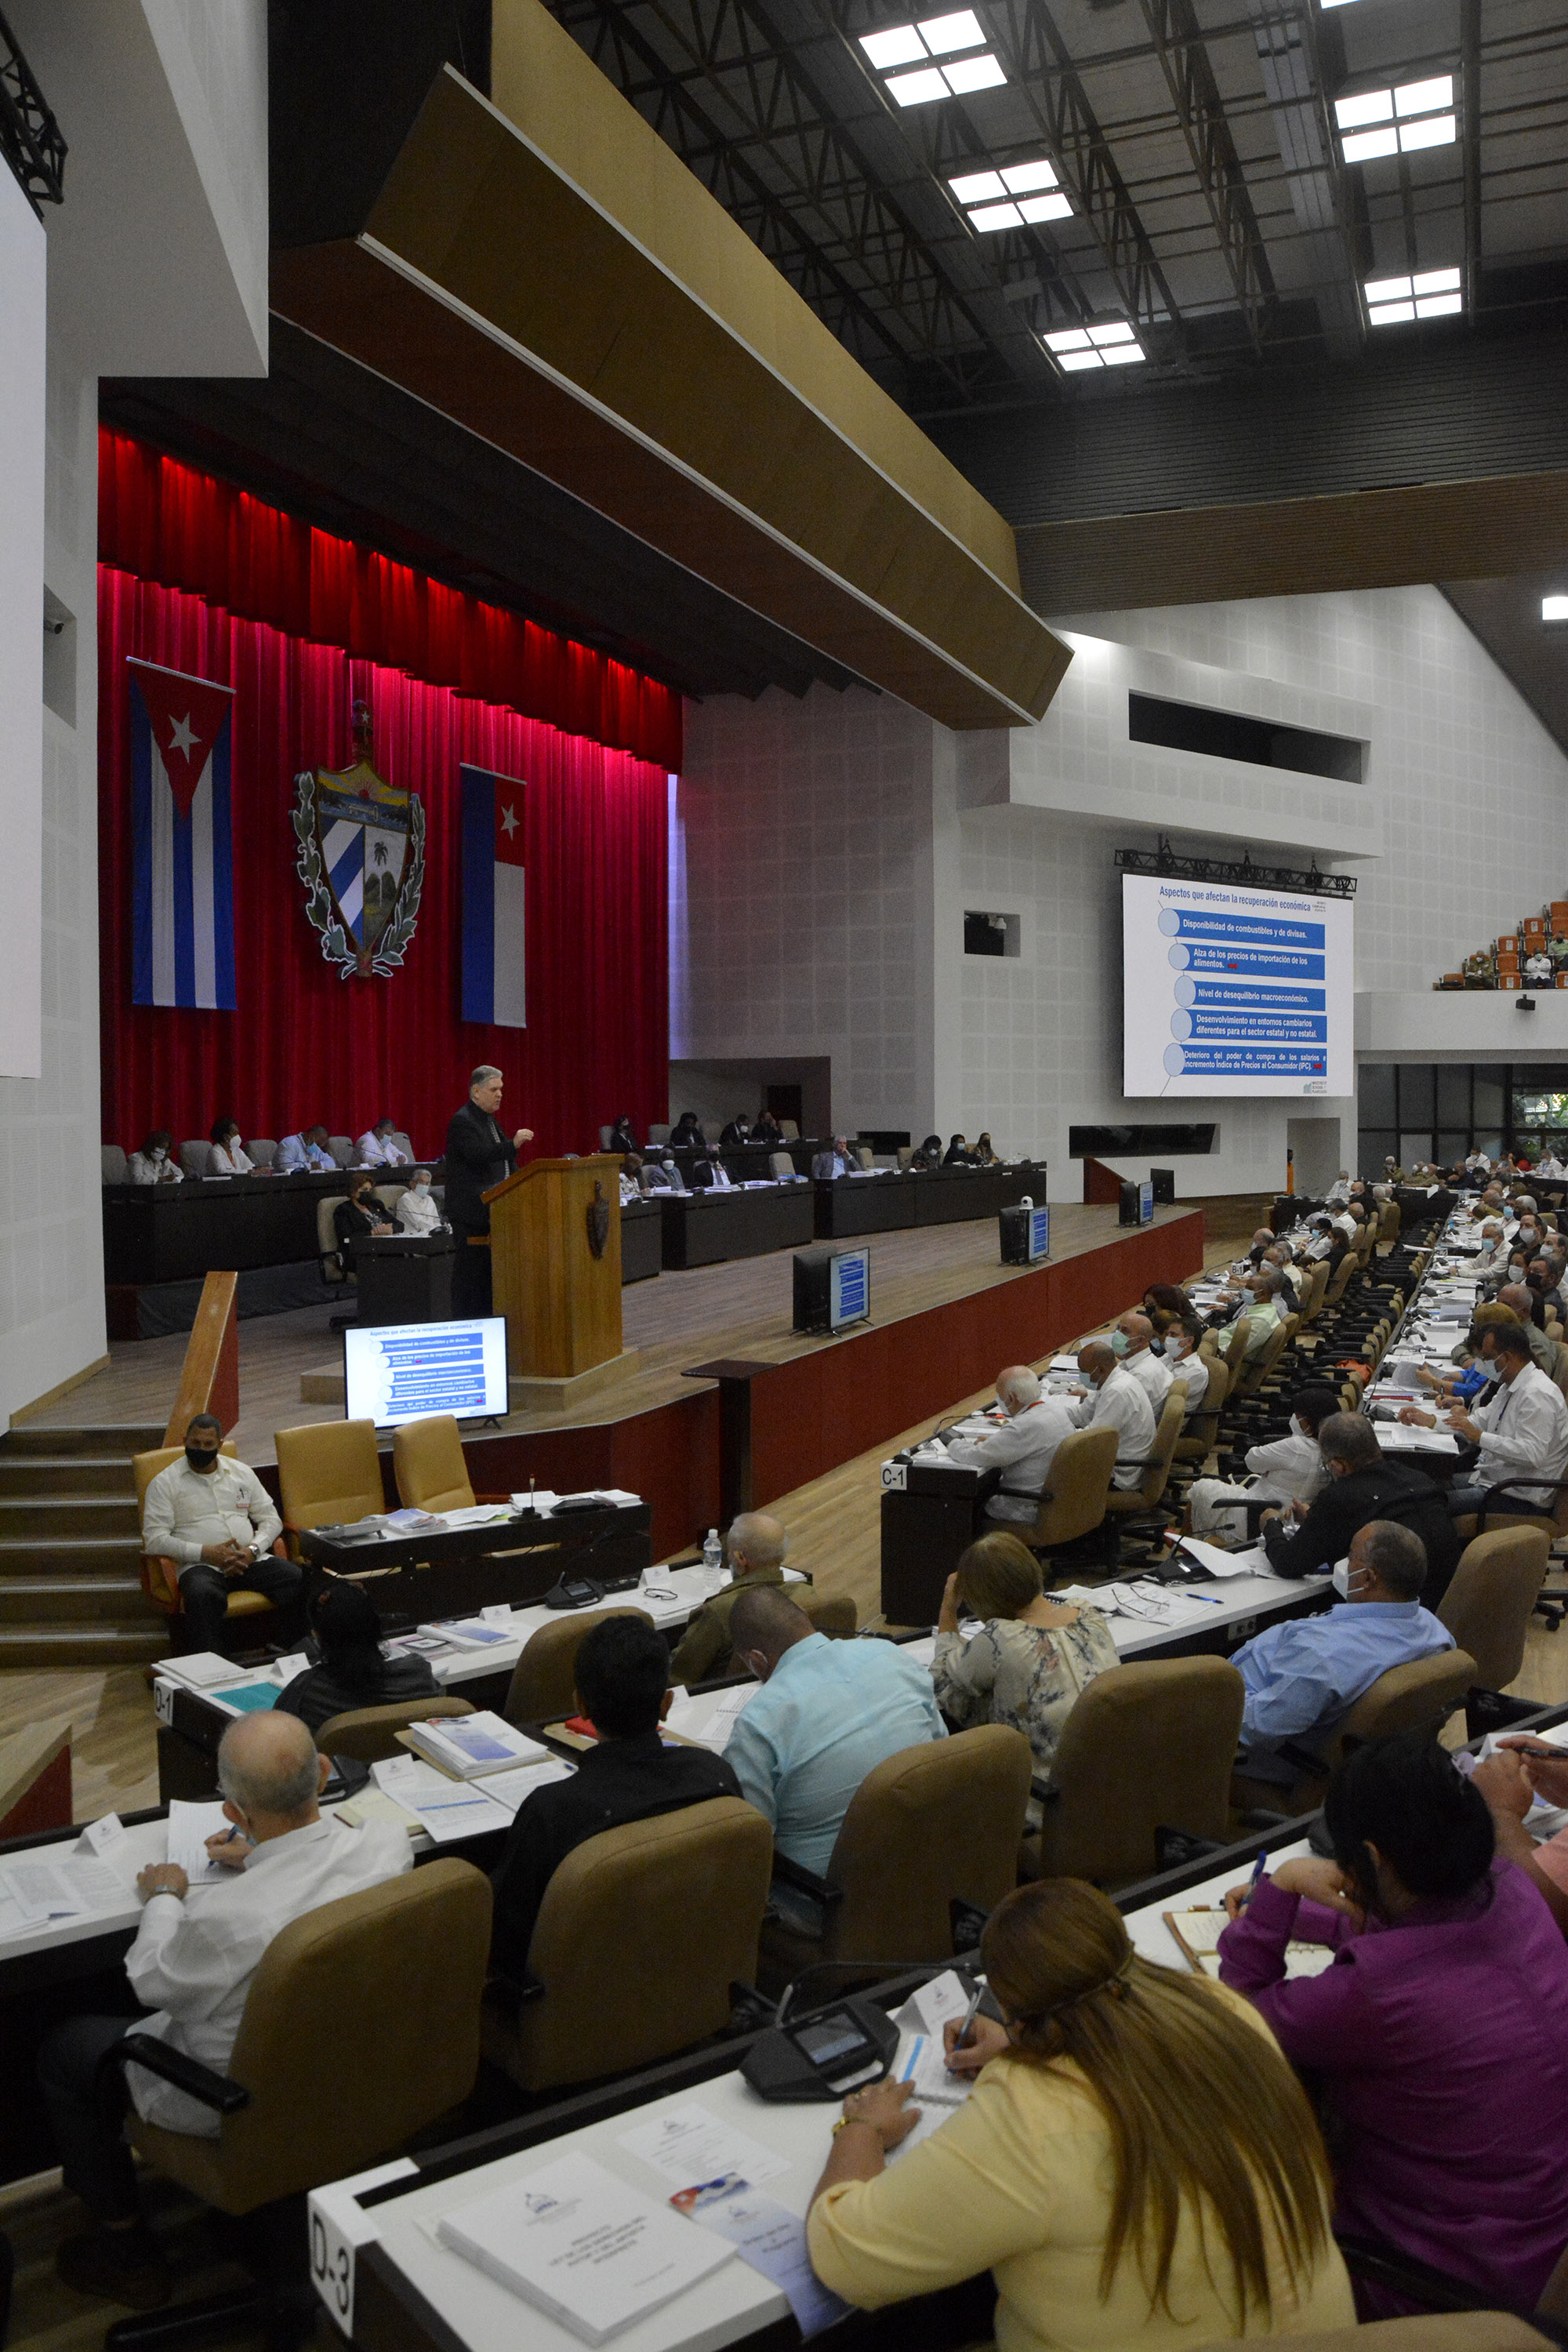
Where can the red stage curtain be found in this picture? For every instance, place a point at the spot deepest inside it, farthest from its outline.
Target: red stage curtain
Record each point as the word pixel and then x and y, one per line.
pixel 305 1045
pixel 165 521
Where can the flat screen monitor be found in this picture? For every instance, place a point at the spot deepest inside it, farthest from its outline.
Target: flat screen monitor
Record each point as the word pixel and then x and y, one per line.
pixel 1040 1234
pixel 1232 989
pixel 1146 1203
pixel 848 1288
pixel 394 1373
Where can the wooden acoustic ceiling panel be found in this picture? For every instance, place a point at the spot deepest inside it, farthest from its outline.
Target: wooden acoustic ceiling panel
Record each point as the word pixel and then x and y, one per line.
pixel 1420 533
pixel 492 285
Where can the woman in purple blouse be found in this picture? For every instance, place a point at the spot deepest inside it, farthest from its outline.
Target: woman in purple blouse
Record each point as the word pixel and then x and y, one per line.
pixel 1438 2035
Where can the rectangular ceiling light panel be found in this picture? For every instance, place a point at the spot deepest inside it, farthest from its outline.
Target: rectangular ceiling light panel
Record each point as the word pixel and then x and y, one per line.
pixel 1399 121
pixel 1074 349
pixel 986 195
pixel 934 36
pixel 1554 608
pixel 1430 294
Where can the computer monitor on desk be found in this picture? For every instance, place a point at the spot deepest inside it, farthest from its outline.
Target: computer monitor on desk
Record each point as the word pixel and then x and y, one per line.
pixel 396 1372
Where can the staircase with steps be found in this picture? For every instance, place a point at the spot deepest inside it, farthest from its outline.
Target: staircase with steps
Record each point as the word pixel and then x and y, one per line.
pixel 71 1553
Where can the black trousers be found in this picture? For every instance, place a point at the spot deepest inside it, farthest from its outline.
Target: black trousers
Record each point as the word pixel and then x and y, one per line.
pixel 204 1592
pixel 88 2127
pixel 470 1274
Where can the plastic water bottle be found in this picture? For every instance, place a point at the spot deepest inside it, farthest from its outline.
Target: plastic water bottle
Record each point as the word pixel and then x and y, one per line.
pixel 713 1561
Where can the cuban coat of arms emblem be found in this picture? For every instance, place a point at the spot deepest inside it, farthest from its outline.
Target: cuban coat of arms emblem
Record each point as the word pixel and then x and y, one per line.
pixel 361 860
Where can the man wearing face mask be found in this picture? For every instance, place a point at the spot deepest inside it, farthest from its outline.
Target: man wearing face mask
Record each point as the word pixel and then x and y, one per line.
pixel 1258 1302
pixel 1288 1471
pixel 1521 1431
pixel 1185 1364
pixel 152 1164
pixel 214 1519
pixel 1115 1400
pixel 1362 1486
pixel 1023 1448
pixel 1303 1676
pixel 1132 1341
pixel 417 1210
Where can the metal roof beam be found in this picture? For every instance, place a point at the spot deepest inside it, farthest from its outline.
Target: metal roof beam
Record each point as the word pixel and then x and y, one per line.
pixel 1194 93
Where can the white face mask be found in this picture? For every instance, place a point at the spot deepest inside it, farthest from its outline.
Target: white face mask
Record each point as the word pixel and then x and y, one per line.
pixel 419 1191
pixel 1341 1579
pixel 158 1152
pixel 1298 1427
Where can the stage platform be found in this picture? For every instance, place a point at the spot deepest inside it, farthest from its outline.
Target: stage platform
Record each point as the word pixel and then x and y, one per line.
pixel 946 1314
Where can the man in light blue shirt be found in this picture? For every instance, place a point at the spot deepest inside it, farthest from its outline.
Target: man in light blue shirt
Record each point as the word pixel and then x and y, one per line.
pixel 828 1714
pixel 1304 1677
pixel 306 1149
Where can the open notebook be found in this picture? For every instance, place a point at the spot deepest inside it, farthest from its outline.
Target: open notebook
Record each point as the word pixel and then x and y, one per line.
pixel 1197 1934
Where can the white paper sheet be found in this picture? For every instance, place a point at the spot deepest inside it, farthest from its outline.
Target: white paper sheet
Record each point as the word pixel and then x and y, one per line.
pixel 190 1826
pixel 688 2145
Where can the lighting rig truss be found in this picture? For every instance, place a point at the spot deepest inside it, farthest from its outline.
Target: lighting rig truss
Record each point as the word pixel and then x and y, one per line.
pixel 30 138
pixel 1165 863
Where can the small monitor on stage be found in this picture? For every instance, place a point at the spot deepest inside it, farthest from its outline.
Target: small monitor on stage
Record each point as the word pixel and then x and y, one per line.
pixel 832 1289
pixel 394 1373
pixel 1146 1203
pixel 1130 1211
pixel 1025 1234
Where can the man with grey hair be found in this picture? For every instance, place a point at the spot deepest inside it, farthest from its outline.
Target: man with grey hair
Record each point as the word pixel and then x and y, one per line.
pixel 479 1156
pixel 1362 1484
pixel 1022 1446
pixel 1302 1677
pixel 195 1954
pixel 755 1549
pixel 1115 1400
pixel 1258 1304
pixel 1130 1342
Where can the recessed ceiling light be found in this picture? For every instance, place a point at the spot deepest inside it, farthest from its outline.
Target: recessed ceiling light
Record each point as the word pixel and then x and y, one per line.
pixel 1045 208
pixel 1430 294
pixel 1425 97
pixel 1373 106
pixel 1554 608
pixel 972 73
pixel 996 216
pixel 942 35
pixel 1120 333
pixel 1388 289
pixel 916 89
pixel 1073 360
pixel 1417 114
pixel 900 45
pixel 1068 338
pixel 1392 313
pixel 1439 306
pixel 1022 178
pixel 1366 146
pixel 1437 131
pixel 1431 281
pixel 1114 344
pixel 978 187
pixel 1121 355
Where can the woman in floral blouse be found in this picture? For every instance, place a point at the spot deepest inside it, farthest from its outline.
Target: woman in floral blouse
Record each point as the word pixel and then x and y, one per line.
pixel 1030 1658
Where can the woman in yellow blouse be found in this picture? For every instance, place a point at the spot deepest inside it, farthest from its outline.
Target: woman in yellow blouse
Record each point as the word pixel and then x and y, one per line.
pixel 1136 2164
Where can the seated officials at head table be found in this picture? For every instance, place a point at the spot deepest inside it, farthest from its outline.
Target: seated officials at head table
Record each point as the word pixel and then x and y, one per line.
pixel 621 1136
pixel 929 1154
pixel 378 1147
pixel 622 1677
pixel 755 1549
pixel 357 1218
pixel 958 1154
pixel 829 1713
pixel 1030 1657
pixel 837 1160
pixel 1438 2039
pixel 349 1668
pixel 155 1162
pixel 662 1175
pixel 687 1132
pixel 211 1514
pixel 228 1156
pixel 737 1132
pixel 1304 1675
pixel 306 1149
pixel 1136 2164
pixel 195 1954
pixel 417 1210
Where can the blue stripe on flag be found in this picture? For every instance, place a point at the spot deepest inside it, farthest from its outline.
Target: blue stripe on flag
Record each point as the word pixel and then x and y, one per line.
pixel 223 875
pixel 141 851
pixel 478 894
pixel 184 915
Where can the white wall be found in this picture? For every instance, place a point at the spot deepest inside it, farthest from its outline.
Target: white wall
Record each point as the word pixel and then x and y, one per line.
pixel 156 263
pixel 23 287
pixel 832 847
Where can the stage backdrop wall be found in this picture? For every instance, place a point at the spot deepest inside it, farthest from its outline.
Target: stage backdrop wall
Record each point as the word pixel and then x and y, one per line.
pixel 305 1045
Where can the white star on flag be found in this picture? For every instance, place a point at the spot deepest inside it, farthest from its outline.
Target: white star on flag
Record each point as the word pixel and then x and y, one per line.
pixel 182 735
pixel 509 821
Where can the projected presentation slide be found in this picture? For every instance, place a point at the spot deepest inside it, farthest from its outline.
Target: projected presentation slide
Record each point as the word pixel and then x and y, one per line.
pixel 401 1372
pixel 1232 990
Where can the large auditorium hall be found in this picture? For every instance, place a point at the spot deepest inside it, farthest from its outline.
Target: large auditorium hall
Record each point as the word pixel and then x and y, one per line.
pixel 784 1175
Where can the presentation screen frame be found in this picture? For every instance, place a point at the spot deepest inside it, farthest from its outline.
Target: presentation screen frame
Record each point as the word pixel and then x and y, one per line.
pixel 1235 989
pixel 453 1389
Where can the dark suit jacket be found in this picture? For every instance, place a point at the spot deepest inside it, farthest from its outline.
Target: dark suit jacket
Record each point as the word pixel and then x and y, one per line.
pixel 620 1781
pixel 478 1154
pixel 1386 1490
pixel 318 1695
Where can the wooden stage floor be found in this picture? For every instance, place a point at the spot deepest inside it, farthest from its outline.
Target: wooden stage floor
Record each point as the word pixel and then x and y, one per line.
pixel 742 1307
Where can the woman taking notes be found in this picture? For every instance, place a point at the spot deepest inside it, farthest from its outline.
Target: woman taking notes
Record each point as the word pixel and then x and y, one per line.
pixel 1136 2163
pixel 1030 1658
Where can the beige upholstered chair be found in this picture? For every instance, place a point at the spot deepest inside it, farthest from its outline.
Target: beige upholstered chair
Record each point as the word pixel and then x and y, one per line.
pixel 369 1734
pixel 642 1931
pixel 1144 1500
pixel 931 1826
pixel 160 1576
pixel 543 1686
pixel 1420 1697
pixel 833 1613
pixel 1072 1503
pixel 329 1474
pixel 1197 1437
pixel 1147 1747
pixel 428 1465
pixel 1490 1599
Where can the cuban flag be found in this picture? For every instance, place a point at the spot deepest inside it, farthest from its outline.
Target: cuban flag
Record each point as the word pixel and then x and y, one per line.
pixel 181 840
pixel 493 891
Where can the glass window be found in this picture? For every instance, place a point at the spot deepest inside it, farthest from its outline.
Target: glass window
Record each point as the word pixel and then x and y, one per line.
pixel 1454 1096
pixel 1418 1094
pixel 1375 1093
pixel 1375 1144
pixel 1537 1110
pixel 1453 1145
pixel 1490 1142
pixel 1487 1112
pixel 1413 1147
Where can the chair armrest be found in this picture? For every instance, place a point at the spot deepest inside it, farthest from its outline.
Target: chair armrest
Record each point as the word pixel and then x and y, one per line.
pixel 796 1875
pixel 161 1582
pixel 1029 1494
pixel 187 2074
pixel 1506 1486
pixel 801 1900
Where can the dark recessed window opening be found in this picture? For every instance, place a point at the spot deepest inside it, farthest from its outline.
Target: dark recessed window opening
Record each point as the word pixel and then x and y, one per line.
pixel 1099 1142
pixel 991 935
pixel 1227 735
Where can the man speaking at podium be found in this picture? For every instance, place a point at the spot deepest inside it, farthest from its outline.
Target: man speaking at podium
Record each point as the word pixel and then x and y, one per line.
pixel 478 1157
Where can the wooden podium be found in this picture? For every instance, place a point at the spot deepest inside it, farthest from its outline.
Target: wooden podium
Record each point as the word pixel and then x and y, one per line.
pixel 555 1268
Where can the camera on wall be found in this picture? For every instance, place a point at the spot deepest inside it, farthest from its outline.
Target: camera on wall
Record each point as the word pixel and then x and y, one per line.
pixel 1524 1003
